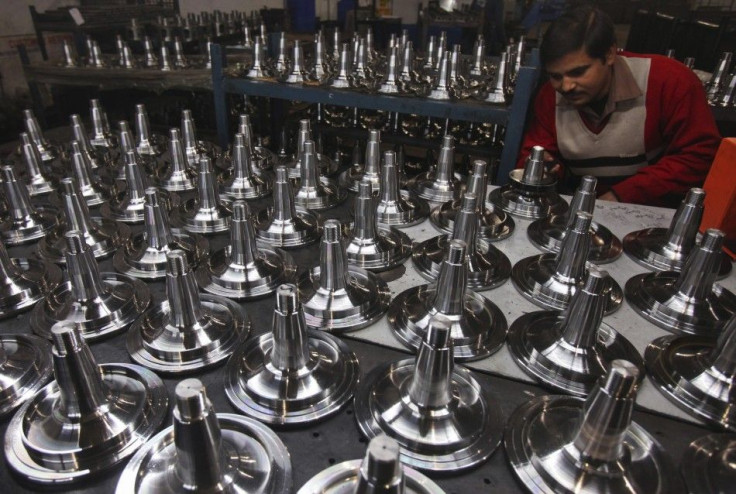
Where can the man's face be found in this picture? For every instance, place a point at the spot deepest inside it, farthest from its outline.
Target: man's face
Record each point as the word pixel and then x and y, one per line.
pixel 581 79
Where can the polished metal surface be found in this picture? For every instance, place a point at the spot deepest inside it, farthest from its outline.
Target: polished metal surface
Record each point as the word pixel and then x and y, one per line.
pixel 189 330
pixel 25 367
pixel 262 158
pixel 102 236
pixel 498 93
pixel 23 223
pixel 207 452
pixel 282 225
pixel 339 297
pixel 94 191
pixel 321 370
pixel 297 74
pixel 147 143
pixel 486 266
pixel 441 90
pixel 244 183
pixel 97 304
pixel 389 84
pixel 568 351
pixel 369 170
pixel 86 421
pixel 205 213
pixel 243 270
pixel 688 302
pixel 312 190
pixel 380 472
pixel 708 466
pixel 559 444
pixel 551 280
pixel 443 419
pixel 369 247
pixel 258 70
pixel 697 373
pixel 100 136
pixel 493 223
pixel 341 80
pixel 325 164
pixel 174 174
pixel 440 184
pixel 98 158
pixel 144 254
pixel 478 327
pixel 397 207
pixel 530 192
pixel 667 249
pixel 548 233
pixel 23 282
pixel 48 151
pixel 35 179
pixel 195 149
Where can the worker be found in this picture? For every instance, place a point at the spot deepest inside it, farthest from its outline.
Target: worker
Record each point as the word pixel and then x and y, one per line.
pixel 639 123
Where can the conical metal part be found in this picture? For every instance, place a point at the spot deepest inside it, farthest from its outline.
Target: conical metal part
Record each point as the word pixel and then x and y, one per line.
pixel 321 370
pixel 95 193
pixel 443 419
pixel 429 56
pixel 325 164
pixel 717 80
pixel 47 151
pixel 336 296
pixel 144 255
pixel 688 302
pixel 23 222
pixel 98 61
pixel 341 80
pixel 320 70
pixel 149 58
pixel 282 63
pixel 247 37
pixel 97 304
pixel 313 191
pixel 25 367
pixel 190 330
pixel 103 236
pixel 207 452
pixel 551 280
pixel 380 472
pixel 493 224
pixel 244 183
pixel 667 249
pixel 166 64
pixel 478 67
pixel 486 266
pixel 194 148
pixel 548 233
pixel 86 421
pixel 441 90
pixel 147 143
pixel 571 445
pixel 243 270
pixel 569 351
pixel 23 282
pixel 258 70
pixel 369 247
pixel 180 61
pixel 297 75
pixel 97 158
pixel 478 327
pixel 389 84
pixel 36 181
pixel 369 170
pixel 706 464
pixel 262 158
pixel 204 213
pixel 129 61
pixel 406 73
pixel 531 191
pixel 498 93
pixel 100 136
pixel 175 175
pixel 70 58
pixel 440 184
pixel 397 207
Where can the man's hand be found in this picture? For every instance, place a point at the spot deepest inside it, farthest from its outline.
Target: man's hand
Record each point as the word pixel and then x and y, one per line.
pixel 553 166
pixel 608 196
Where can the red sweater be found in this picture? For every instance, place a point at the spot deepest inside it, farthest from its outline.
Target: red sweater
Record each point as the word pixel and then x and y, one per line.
pixel 678 121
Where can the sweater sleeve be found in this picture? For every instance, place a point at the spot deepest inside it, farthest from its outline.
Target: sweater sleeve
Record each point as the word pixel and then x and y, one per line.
pixel 541 130
pixel 688 134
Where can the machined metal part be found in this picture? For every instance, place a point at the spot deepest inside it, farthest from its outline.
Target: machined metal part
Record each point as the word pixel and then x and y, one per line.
pixel 667 249
pixel 244 183
pixel 144 255
pixel 167 65
pixel 486 266
pixel 706 464
pixel 566 444
pixel 98 158
pixel 370 247
pixel 25 367
pixel 23 282
pixel 380 471
pixel 397 207
pixel 548 233
pixel 313 191
pixel 48 151
pixel 551 280
pixel 341 80
pixel 86 421
pixel 70 58
pixel 262 158
pixel 499 92
pixel 243 270
pixel 94 191
pixel 23 223
pixel 207 452
pixel 493 223
pixel 696 373
pixel 389 84
pixel 321 370
pixel 326 165
pixel 531 191
pixel 36 181
pixel 100 136
pixel 369 170
pixel 569 351
pixel 718 78
pixel 339 297
pixel 189 330
pixel 204 213
pixel 258 70
pixel 194 148
pixel 102 237
pixel 97 304
pixel 478 327
pixel 147 143
pixel 297 74
pixel 175 175
pixel 282 225
pixel 281 63
pixel 441 90
pixel 440 185
pixel 150 60
pixel 443 419
pixel 688 302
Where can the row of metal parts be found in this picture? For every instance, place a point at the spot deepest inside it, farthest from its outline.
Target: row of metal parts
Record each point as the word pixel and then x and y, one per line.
pixel 446 322
pixel 721 87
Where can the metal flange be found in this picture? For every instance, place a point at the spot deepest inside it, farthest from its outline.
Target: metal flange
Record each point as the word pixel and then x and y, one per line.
pixel 369 170
pixel 23 282
pixel 312 191
pixel 244 183
pixel 325 164
pixel 706 465
pixel 25 367
pixel 23 223
pixel 205 213
pixel 439 185
pixel 174 174
pixel 397 207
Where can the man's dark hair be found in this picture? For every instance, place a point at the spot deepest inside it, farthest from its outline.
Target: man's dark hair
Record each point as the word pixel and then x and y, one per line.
pixel 579 27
